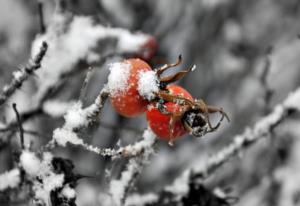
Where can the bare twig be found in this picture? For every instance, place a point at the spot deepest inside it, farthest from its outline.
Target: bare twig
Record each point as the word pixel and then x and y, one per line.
pixel 264 81
pixel 20 76
pixel 82 95
pixel 41 17
pixel 20 125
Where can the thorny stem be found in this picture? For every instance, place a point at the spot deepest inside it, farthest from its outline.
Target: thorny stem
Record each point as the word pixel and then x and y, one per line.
pixel 16 82
pixel 20 125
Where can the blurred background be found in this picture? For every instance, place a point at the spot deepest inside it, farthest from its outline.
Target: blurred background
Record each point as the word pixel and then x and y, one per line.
pixel 247 57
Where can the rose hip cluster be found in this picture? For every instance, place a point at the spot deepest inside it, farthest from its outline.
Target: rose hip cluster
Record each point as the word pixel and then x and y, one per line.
pixel 135 88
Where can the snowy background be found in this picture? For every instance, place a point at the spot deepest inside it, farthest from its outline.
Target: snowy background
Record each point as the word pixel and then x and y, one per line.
pixel 247 57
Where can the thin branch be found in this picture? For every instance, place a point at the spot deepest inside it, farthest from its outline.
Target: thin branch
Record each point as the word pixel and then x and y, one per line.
pixel 264 81
pixel 20 125
pixel 41 17
pixel 88 75
pixel 20 76
pixel 120 188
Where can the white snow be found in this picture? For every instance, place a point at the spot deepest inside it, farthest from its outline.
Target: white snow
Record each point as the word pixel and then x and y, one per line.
pixel 30 163
pixel 66 49
pixel 56 108
pixel 293 100
pixel 18 75
pixel 140 200
pixel 118 187
pixel 148 84
pixel 118 78
pixel 62 136
pixel 75 116
pixel 181 185
pixel 129 42
pixel 43 170
pixel 9 179
pixel 68 192
pixel 144 145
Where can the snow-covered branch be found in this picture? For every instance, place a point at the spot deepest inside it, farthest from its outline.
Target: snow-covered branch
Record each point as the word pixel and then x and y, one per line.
pixel 261 129
pixel 20 76
pixel 119 188
pixel 77 118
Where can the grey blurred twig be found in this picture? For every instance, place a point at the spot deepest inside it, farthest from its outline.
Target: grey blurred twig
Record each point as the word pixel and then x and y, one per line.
pixel 20 125
pixel 41 17
pixel 264 81
pixel 23 74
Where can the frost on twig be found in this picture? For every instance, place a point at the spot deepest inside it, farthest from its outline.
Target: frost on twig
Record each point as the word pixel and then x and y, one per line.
pixel 20 76
pixel 119 188
pixel 77 118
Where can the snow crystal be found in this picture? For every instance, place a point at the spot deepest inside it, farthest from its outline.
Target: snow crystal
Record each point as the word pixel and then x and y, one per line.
pixel 30 163
pixel 62 136
pixel 56 108
pixel 68 192
pixel 148 84
pixel 118 77
pixel 9 179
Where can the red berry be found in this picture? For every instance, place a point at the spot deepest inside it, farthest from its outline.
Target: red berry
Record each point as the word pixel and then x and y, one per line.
pixel 160 123
pixel 149 49
pixel 128 101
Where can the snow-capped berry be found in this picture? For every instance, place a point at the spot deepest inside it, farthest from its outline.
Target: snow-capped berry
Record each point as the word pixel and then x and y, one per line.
pixel 160 123
pixel 128 87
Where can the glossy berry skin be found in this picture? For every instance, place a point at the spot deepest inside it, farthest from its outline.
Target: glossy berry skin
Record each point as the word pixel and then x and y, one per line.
pixel 130 103
pixel 160 123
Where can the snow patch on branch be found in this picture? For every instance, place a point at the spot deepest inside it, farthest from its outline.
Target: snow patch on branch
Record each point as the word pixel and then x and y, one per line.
pixel 120 187
pixel 42 175
pixel 10 179
pixel 56 108
pixel 62 136
pixel 77 43
pixel 141 200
